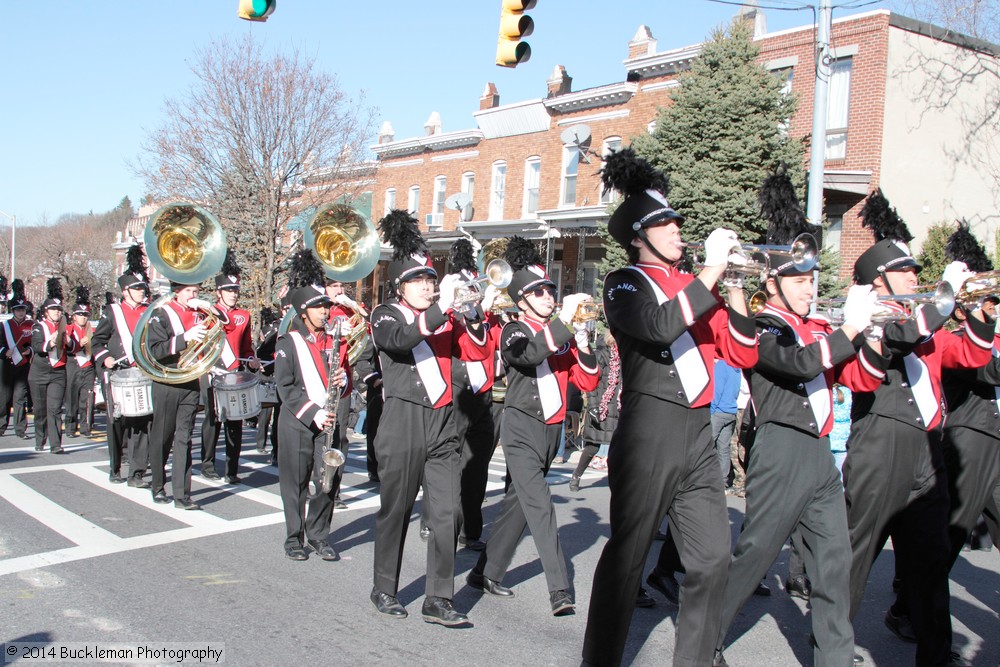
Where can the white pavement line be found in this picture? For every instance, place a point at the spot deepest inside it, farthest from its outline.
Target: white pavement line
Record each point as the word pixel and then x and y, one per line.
pixel 49 468
pixel 243 491
pixel 143 497
pixel 78 447
pixel 70 525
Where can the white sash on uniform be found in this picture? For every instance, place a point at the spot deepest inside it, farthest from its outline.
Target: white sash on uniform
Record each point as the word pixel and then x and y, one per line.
pixel 919 378
pixel 315 389
pixel 15 352
pixel 123 331
pixel 426 362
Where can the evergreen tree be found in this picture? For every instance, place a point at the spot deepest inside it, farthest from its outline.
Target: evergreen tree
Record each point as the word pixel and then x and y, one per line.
pixel 722 135
pixel 933 257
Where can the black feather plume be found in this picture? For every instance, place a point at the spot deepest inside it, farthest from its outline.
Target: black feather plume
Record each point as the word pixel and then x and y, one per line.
pixel 304 270
pixel 135 261
pixel 521 253
pixel 109 298
pixel 83 294
pixel 781 208
pixel 462 256
pixel 17 288
pixel 963 246
pixel 882 219
pixel 53 289
pixel 229 265
pixel 268 315
pixel 3 286
pixel 401 230
pixel 630 174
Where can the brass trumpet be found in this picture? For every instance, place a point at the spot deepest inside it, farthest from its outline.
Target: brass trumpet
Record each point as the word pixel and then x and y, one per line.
pixel 942 298
pixel 588 311
pixel 498 273
pixel 978 287
pixel 803 249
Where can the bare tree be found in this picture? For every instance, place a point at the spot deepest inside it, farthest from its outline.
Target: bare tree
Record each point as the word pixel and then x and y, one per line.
pixel 975 18
pixel 244 140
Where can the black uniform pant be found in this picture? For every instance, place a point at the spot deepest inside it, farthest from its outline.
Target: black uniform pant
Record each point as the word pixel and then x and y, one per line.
pixel 972 460
pixel 15 395
pixel 79 398
pixel 372 418
pixel 474 423
pixel 267 421
pixel 47 388
pixel 301 460
pixel 340 440
pixel 895 483
pixel 210 427
pixel 793 481
pixel 662 461
pixel 122 431
pixel 173 423
pixel 417 445
pixel 529 447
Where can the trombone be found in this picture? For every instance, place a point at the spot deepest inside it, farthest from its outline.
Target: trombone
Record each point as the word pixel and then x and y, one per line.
pixel 942 298
pixel 804 252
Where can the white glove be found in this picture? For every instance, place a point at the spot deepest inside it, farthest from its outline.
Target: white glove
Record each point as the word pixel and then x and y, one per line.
pixel 447 287
pixel 346 301
pixel 874 332
pixel 197 332
pixel 858 307
pixel 955 274
pixel 199 304
pixel 581 332
pixel 490 295
pixel 570 304
pixel 719 245
pixel 320 418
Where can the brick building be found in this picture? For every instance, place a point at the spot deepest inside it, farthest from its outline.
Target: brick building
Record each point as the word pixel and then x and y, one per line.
pixel 524 172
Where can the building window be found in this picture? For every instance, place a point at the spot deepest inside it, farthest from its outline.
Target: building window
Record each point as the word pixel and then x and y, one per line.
pixel 785 76
pixel 413 200
pixel 838 108
pixel 571 165
pixel 831 235
pixel 469 183
pixel 498 186
pixel 589 285
pixel 436 216
pixel 532 179
pixel 390 200
pixel 611 145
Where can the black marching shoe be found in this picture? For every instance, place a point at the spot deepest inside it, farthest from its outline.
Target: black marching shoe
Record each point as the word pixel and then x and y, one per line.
pixel 481 582
pixel 955 659
pixel 798 587
pixel 233 479
pixel 186 504
pixel 719 660
pixel 856 659
pixel 209 473
pixel 562 603
pixel 473 544
pixel 339 504
pixel 325 551
pixel 161 497
pixel 57 450
pixel 38 448
pixel 296 552
pixel 440 611
pixel 667 585
pixel 387 604
pixel 574 483
pixel 900 626
pixel 644 599
pixel 115 478
pixel 138 483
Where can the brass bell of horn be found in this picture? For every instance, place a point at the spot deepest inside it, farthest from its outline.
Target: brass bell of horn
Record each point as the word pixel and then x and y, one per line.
pixel 344 240
pixel 185 243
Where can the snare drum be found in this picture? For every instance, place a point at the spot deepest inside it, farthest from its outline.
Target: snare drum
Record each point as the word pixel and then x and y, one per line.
pixel 99 402
pixel 236 396
pixel 267 392
pixel 132 393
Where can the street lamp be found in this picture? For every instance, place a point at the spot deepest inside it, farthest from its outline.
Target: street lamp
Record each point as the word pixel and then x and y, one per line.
pixel 13 232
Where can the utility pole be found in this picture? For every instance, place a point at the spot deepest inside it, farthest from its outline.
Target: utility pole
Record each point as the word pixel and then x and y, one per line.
pixel 817 157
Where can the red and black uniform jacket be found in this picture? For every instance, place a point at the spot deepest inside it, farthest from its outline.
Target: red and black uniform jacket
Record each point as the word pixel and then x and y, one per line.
pixel 16 338
pixel 971 394
pixel 301 371
pixel 416 348
pixel 78 353
pixel 238 344
pixel 800 360
pixel 113 336
pixel 477 376
pixel 46 357
pixel 165 335
pixel 670 328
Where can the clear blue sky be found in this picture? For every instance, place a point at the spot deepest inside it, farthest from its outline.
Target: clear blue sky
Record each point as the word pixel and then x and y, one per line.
pixel 84 82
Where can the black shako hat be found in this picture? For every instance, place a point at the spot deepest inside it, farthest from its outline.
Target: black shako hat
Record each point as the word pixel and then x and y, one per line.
pixel 229 276
pixel 890 252
pixel 786 220
pixel 527 266
pixel 410 253
pixel 82 305
pixel 134 276
pixel 54 295
pixel 17 299
pixel 643 188
pixel 306 282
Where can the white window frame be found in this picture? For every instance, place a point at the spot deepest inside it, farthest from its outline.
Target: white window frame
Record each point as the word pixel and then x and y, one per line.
pixel 390 200
pixel 568 180
pixel 413 200
pixel 469 183
pixel 611 144
pixel 532 186
pixel 838 108
pixel 436 217
pixel 498 189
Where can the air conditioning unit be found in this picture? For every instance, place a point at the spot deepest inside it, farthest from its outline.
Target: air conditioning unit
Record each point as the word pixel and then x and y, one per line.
pixel 434 220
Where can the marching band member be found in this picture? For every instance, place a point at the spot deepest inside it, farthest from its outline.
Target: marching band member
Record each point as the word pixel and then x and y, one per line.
pixel 267 420
pixel 80 373
pixel 542 357
pixel 343 308
pixel 112 349
pixel 472 396
pixel 792 480
pixel 302 372
pixel 15 353
pixel 371 374
pixel 670 327
pixel 417 442
pixel 47 377
pixel 894 477
pixel 171 329
pixel 237 345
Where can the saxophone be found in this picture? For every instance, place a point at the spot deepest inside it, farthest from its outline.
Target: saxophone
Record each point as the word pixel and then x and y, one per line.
pixel 333 458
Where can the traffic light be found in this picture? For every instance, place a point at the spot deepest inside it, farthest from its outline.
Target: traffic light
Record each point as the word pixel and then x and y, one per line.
pixel 514 24
pixel 256 10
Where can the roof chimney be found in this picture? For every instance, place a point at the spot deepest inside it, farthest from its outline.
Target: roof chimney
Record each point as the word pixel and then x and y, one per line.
pixel 386 134
pixel 560 82
pixel 433 124
pixel 752 14
pixel 642 44
pixel 490 98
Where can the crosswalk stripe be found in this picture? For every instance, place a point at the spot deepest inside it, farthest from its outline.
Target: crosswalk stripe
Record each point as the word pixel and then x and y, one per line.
pixel 70 525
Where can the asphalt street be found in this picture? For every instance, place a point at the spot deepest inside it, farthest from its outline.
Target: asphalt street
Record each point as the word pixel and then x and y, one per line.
pixel 85 561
